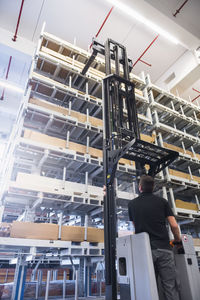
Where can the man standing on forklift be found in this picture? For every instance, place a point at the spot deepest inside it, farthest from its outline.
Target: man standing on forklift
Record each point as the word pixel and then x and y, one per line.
pixel 149 213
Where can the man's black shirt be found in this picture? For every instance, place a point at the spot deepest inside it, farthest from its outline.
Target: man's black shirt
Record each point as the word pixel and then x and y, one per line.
pixel 149 213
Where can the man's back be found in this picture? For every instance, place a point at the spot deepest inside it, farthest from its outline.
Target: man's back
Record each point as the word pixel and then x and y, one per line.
pixel 149 213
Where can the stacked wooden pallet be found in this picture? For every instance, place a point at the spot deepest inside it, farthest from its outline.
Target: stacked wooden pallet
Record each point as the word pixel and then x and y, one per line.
pixel 46 231
pixel 49 140
pixel 186 205
pixel 181 150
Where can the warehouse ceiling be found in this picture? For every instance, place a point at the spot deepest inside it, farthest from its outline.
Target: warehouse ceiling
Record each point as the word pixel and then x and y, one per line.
pixel 79 20
pixel 188 18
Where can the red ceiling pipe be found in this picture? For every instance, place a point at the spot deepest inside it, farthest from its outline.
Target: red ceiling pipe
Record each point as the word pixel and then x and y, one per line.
pixel 146 63
pixel 106 18
pixel 179 9
pixel 8 69
pixel 197 96
pixel 18 21
pixel 196 90
pixel 139 59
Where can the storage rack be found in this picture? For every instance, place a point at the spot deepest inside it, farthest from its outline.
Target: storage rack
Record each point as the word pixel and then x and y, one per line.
pixel 176 123
pixel 57 148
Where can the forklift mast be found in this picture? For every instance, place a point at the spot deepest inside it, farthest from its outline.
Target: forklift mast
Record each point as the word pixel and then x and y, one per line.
pixel 121 138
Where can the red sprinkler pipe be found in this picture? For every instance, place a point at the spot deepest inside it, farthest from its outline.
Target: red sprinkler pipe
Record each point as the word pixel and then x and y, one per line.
pixel 197 96
pixel 139 59
pixel 196 90
pixel 18 21
pixel 179 9
pixel 146 63
pixel 8 69
pixel 106 18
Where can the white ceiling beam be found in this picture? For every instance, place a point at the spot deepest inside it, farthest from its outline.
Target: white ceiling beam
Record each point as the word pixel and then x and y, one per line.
pixel 181 75
pixel 22 45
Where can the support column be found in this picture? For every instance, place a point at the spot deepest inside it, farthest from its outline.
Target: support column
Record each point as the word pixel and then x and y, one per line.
pixel 55 275
pixel 60 225
pixel 19 280
pixel 22 283
pixel 76 286
pixel 86 294
pixel 38 284
pixel 47 285
pixel 86 227
pixel 1 213
pixel 81 278
pixel 64 285
pixel 89 281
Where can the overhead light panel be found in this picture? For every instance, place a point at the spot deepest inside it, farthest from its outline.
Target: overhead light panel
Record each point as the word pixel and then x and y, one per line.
pixel 9 86
pixel 132 13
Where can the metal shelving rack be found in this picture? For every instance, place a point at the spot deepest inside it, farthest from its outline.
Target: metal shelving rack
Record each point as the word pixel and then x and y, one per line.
pixel 176 122
pixel 57 148
pixel 68 163
pixel 57 153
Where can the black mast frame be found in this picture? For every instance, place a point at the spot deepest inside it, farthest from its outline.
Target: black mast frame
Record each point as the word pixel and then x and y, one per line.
pixel 121 138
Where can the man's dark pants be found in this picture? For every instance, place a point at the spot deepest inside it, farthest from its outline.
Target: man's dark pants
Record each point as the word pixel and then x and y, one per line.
pixel 165 268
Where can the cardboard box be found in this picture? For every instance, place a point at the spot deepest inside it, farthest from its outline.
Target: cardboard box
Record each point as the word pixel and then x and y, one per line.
pixel 196 242
pixel 186 205
pixel 95 235
pixel 28 230
pixel 72 233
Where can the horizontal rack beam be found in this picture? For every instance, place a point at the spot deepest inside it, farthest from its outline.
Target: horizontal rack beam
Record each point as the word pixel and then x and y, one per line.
pixel 81 249
pixel 73 49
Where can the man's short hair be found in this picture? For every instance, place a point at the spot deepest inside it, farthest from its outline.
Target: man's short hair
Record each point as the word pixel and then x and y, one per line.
pixel 146 183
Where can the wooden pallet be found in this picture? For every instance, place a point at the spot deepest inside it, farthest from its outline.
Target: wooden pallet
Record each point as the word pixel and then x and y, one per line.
pixel 73 62
pixel 186 205
pixel 66 112
pixel 95 153
pixel 186 176
pixel 181 150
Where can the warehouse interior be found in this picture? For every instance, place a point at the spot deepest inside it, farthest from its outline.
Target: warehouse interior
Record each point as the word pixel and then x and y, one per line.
pixel 52 127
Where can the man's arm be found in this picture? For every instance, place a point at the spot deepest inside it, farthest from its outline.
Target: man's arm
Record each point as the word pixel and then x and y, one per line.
pixel 174 228
pixel 130 214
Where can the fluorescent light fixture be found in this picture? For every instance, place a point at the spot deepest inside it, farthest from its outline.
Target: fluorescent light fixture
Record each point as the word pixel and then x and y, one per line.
pixel 9 86
pixel 132 13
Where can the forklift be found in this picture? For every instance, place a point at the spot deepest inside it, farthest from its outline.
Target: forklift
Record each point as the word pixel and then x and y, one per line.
pixel 121 139
pixel 136 276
